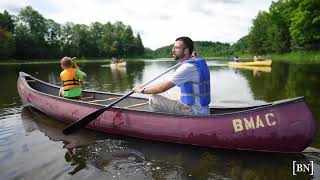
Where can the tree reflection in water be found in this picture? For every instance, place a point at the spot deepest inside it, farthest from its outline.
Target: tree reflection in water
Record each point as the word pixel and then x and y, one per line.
pixel 129 158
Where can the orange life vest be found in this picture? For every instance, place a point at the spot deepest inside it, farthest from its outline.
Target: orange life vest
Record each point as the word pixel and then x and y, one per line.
pixel 69 79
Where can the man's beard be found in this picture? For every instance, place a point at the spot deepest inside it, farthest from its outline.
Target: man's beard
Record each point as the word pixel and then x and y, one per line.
pixel 176 57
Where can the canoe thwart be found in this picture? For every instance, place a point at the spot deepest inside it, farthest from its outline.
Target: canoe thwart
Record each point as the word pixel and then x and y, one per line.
pixel 103 100
pixel 137 105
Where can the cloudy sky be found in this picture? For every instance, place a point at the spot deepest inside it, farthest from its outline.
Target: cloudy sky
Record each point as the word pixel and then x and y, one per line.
pixel 159 22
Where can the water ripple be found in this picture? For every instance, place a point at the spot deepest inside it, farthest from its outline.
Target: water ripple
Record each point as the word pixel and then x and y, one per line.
pixel 8 127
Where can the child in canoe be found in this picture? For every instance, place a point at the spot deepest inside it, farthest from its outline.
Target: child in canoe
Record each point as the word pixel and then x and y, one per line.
pixel 71 78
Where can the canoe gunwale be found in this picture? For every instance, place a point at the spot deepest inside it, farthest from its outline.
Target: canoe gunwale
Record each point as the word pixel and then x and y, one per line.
pixel 265 63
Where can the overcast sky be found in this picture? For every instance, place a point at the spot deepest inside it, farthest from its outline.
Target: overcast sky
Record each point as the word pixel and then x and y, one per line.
pixel 159 22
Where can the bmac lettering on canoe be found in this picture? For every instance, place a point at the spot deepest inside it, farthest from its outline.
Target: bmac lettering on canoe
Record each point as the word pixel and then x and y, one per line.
pixel 254 122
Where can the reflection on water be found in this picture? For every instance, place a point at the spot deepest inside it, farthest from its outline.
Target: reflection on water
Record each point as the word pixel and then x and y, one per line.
pixel 118 72
pixel 33 147
pixel 33 120
pixel 266 69
pixel 123 158
pixel 235 92
pixel 257 70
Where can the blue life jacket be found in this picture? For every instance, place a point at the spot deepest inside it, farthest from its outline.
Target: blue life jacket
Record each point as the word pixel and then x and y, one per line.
pixel 187 94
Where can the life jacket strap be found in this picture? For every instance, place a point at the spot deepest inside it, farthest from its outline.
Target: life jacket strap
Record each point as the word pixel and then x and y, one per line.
pixel 192 94
pixel 73 82
pixel 201 83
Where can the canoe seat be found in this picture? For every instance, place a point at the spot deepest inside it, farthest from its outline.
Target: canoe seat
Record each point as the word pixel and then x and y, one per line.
pixel 85 98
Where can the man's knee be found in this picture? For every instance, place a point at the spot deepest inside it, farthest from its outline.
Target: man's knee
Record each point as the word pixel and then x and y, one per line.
pixel 160 103
pixel 154 101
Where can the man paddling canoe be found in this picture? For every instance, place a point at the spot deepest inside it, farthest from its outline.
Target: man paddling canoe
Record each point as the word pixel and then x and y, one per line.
pixel 193 79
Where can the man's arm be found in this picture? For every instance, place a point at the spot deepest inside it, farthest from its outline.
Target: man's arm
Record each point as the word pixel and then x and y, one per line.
pixel 155 89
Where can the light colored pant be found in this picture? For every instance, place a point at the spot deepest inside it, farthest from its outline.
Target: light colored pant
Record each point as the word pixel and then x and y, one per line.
pixel 159 103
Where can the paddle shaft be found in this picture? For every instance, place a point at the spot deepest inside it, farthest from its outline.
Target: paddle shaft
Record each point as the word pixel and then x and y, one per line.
pixel 87 119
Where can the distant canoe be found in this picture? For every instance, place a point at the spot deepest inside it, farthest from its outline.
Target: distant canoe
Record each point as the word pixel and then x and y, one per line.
pixel 266 69
pixel 280 126
pixel 121 64
pixel 254 63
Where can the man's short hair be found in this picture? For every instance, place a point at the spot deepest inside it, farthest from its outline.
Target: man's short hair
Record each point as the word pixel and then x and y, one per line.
pixel 187 42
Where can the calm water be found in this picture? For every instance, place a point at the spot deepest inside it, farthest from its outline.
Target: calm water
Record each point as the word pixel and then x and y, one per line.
pixel 33 147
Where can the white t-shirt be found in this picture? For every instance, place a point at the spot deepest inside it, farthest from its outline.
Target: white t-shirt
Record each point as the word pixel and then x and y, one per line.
pixel 185 73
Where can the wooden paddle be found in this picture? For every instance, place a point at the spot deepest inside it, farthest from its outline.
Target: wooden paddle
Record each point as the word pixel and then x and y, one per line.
pixel 87 119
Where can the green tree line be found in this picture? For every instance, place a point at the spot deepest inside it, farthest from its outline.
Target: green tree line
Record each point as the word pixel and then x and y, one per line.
pixel 31 36
pixel 289 26
pixel 204 48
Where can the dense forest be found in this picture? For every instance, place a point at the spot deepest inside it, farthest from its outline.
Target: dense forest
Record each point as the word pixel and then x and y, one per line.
pixel 204 48
pixel 288 26
pixel 31 36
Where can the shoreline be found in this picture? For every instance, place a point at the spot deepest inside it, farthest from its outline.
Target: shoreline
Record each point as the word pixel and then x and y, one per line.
pixel 293 57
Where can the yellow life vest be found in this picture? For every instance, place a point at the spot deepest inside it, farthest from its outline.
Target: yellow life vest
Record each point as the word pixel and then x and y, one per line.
pixel 69 79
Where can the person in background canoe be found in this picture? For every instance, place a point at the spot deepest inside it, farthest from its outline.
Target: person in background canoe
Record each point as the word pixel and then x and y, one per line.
pixel 193 79
pixel 236 59
pixel 71 78
pixel 258 58
pixel 113 60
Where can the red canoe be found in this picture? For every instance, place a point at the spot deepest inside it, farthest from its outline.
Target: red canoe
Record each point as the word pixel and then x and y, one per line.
pixel 281 126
